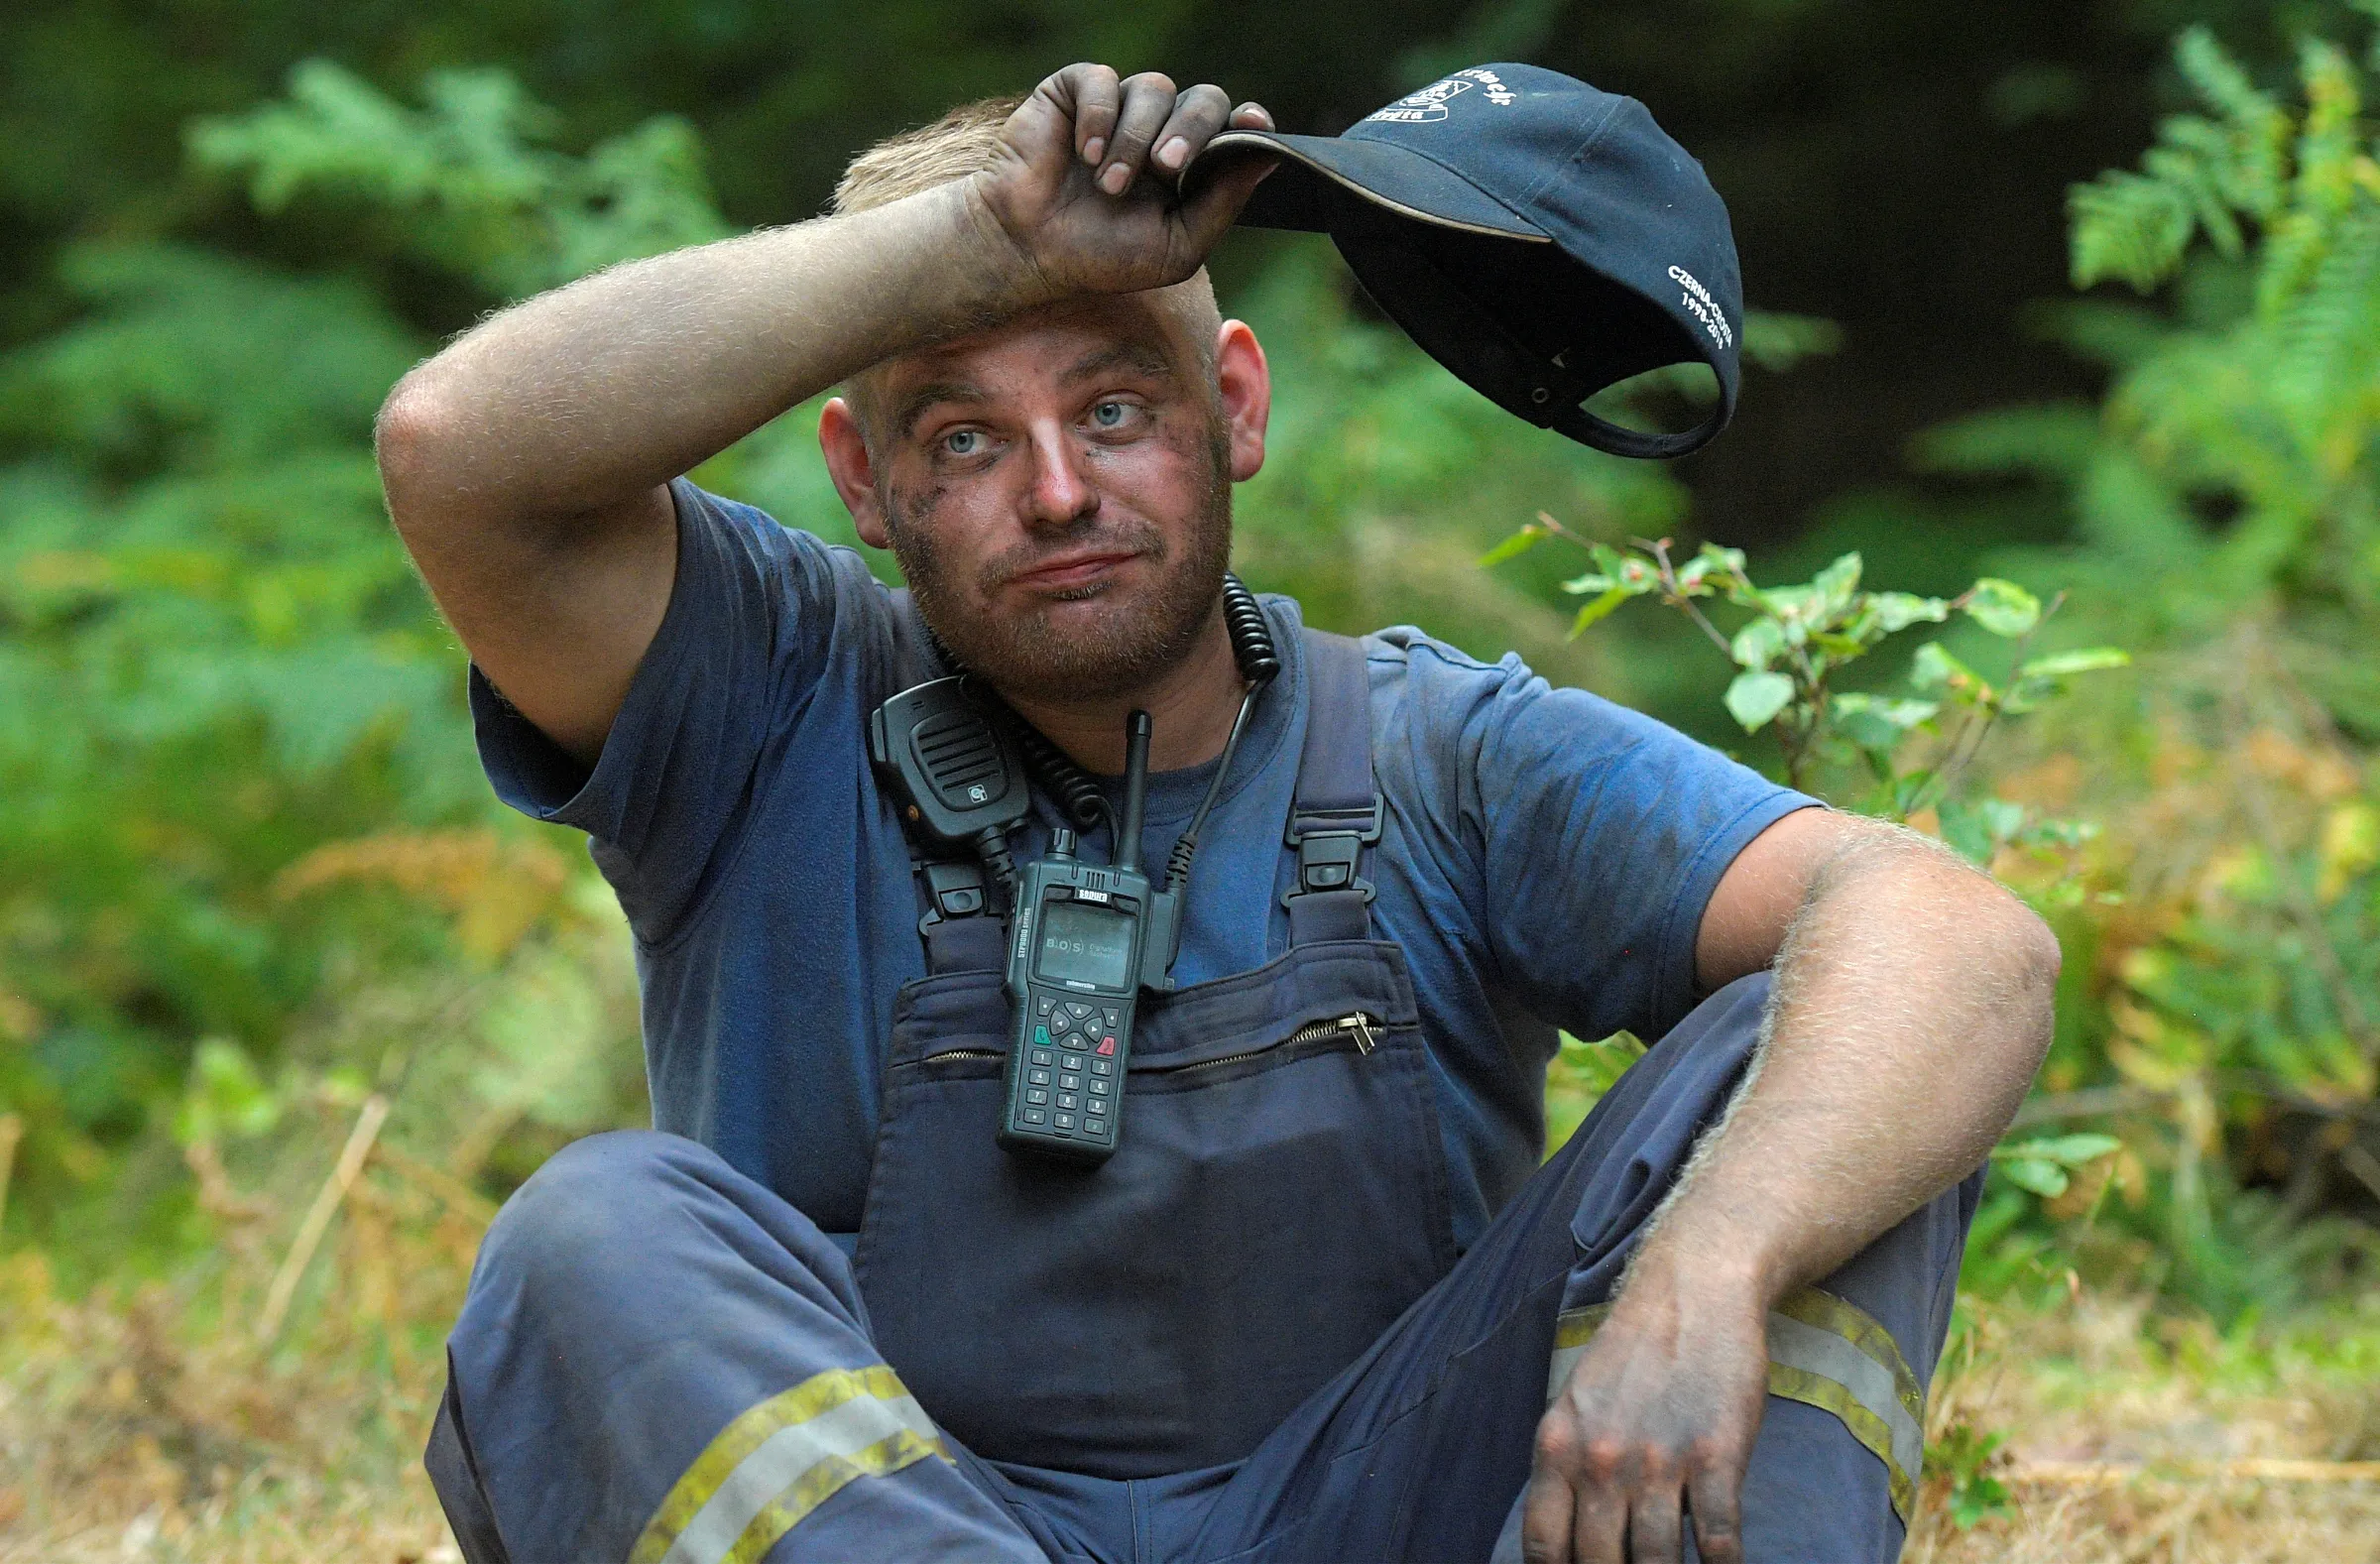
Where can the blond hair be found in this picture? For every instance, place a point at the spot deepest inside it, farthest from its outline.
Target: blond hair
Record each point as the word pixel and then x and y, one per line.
pixel 962 143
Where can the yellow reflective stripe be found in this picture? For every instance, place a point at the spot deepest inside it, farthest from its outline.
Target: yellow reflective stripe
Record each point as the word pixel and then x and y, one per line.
pixel 1860 1328
pixel 1823 1352
pixel 863 1415
pixel 821 1482
pixel 1814 1389
pixel 1577 1327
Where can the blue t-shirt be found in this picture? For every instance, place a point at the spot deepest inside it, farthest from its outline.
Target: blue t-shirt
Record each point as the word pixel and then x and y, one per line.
pixel 1544 861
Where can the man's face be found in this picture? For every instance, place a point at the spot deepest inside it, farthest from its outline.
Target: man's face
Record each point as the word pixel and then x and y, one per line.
pixel 1057 490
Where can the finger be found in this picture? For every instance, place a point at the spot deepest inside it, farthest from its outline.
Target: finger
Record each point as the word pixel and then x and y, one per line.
pixel 1215 206
pixel 1148 102
pixel 1713 1499
pixel 1197 115
pixel 1546 1506
pixel 1654 1523
pixel 1598 1525
pixel 1252 116
pixel 1087 94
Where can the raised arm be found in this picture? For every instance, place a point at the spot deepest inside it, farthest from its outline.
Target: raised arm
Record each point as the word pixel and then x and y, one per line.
pixel 527 465
pixel 1912 1006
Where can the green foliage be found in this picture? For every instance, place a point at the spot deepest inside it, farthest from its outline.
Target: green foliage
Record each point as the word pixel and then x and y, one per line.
pixel 1792 643
pixel 225 1099
pixel 215 661
pixel 1577 1077
pixel 2204 175
pixel 2222 991
pixel 2046 1166
pixel 2234 457
pixel 1966 1461
pixel 466 184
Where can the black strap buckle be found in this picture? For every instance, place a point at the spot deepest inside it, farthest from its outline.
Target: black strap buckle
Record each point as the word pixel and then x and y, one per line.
pixel 1330 848
pixel 954 889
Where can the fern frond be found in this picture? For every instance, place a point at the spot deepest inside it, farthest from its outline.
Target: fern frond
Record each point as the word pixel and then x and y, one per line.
pixel 2329 150
pixel 2254 168
pixel 469 177
pixel 2203 175
pixel 2192 161
pixel 2130 226
pixel 2326 347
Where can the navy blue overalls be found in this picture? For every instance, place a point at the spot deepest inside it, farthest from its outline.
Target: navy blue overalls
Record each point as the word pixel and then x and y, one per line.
pixel 1246 1337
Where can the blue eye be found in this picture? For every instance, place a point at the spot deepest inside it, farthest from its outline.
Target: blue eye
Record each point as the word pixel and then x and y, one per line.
pixel 1110 414
pixel 962 443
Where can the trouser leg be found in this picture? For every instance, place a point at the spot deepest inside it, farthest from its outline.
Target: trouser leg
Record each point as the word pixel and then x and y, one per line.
pixel 659 1357
pixel 1419 1450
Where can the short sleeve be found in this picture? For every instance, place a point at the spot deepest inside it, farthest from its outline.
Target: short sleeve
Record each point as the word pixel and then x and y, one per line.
pixel 1597 834
pixel 755 617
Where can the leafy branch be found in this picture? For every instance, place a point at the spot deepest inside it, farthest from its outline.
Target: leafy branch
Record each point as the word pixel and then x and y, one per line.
pixel 1796 640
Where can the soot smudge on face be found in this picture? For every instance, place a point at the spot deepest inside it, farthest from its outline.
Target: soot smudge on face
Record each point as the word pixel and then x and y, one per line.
pixel 1139 634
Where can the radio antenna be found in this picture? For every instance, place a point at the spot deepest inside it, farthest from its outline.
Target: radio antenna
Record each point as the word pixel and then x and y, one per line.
pixel 1136 729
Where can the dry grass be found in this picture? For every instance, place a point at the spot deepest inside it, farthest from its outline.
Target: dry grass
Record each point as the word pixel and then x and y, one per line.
pixel 2131 1441
pixel 124 1436
pixel 152 1424
pixel 162 1422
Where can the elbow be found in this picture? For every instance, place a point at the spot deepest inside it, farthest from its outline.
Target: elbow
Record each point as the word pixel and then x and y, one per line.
pixel 2033 959
pixel 411 429
pixel 2043 958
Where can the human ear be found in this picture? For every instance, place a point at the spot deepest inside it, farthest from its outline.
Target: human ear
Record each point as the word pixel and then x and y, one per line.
pixel 1243 387
pixel 853 470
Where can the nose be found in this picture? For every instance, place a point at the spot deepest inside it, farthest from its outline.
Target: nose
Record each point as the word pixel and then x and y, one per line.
pixel 1059 497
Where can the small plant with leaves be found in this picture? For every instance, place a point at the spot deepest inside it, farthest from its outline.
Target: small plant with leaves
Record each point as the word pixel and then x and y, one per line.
pixel 2046 1167
pixel 1793 642
pixel 1966 1462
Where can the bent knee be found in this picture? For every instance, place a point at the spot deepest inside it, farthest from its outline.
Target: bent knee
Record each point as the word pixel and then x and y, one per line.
pixel 579 1214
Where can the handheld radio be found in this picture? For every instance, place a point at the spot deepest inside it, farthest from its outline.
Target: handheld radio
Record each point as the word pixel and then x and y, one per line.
pixel 1086 937
pixel 1076 966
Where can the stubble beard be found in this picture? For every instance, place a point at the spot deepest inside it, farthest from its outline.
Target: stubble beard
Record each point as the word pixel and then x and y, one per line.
pixel 1125 648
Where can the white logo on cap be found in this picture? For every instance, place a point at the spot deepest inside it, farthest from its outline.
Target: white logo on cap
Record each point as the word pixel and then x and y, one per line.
pixel 1706 309
pixel 1428 106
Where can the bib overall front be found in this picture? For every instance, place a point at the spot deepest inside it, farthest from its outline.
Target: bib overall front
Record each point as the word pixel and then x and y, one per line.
pixel 1244 1339
pixel 1277 1198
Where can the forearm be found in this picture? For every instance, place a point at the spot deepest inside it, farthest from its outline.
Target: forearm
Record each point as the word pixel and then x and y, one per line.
pixel 1912 1006
pixel 581 399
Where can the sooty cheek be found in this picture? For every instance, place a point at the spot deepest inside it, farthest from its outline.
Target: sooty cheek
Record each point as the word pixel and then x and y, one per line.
pixel 918 506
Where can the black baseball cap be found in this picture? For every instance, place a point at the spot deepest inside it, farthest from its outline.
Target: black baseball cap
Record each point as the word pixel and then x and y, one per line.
pixel 1540 238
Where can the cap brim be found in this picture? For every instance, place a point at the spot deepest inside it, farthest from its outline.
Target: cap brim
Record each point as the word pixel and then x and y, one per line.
pixel 1390 177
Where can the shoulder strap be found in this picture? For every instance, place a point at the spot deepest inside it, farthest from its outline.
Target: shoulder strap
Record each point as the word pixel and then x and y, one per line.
pixel 1335 818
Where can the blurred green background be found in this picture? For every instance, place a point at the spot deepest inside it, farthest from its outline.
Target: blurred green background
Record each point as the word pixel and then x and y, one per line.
pixel 251 884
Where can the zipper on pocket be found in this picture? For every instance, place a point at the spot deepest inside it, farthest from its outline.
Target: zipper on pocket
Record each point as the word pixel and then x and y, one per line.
pixel 965 1054
pixel 1358 1025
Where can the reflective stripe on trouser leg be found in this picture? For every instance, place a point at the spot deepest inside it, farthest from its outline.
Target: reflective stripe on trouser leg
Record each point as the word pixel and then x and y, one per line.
pixel 781 1460
pixel 1825 1353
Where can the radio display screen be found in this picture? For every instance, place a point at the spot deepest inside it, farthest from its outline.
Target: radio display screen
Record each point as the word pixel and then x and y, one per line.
pixel 1081 944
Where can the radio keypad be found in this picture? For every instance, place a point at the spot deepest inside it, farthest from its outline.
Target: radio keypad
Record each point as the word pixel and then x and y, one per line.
pixel 1076 1042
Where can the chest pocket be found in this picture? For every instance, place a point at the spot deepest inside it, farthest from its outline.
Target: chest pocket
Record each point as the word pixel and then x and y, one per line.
pixel 1278 1199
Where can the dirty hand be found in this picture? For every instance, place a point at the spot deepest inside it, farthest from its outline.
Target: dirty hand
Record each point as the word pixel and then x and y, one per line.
pixel 1656 1421
pixel 1086 189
